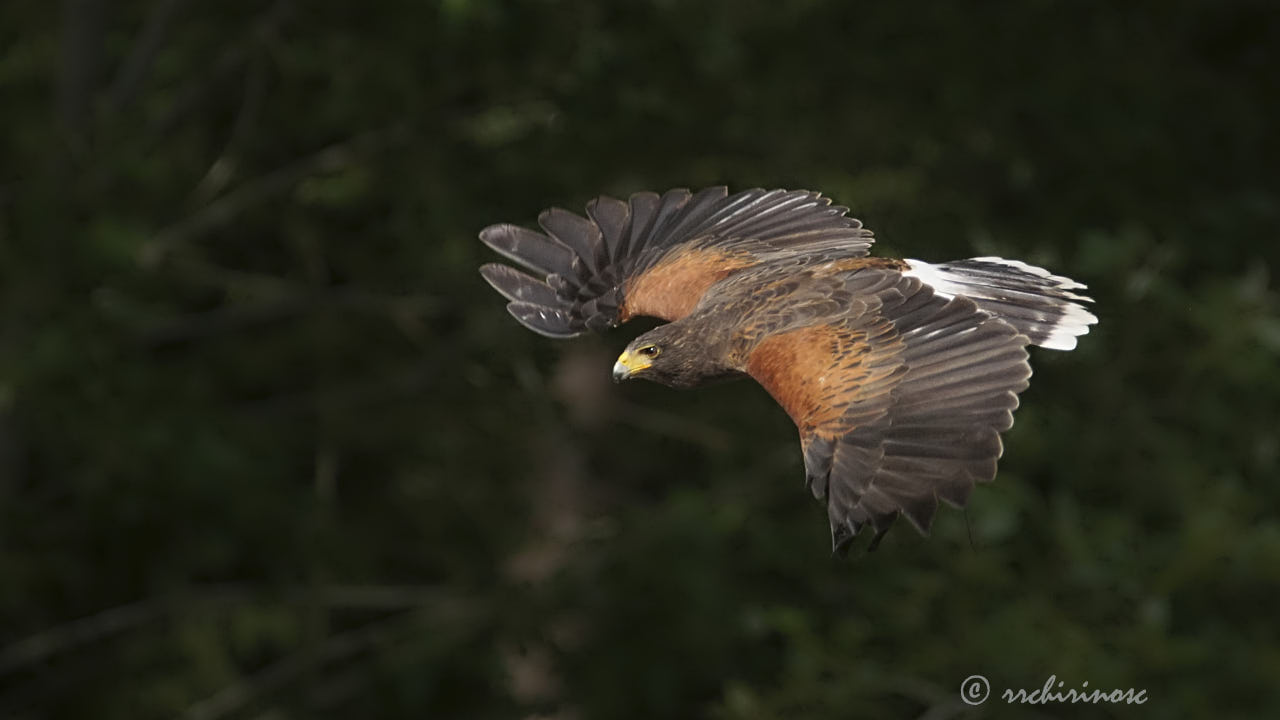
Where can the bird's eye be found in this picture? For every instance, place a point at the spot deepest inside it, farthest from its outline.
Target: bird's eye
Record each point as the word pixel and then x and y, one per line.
pixel 649 351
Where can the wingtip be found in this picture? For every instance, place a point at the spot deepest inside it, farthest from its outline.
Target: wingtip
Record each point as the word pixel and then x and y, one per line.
pixel 841 540
pixel 547 322
pixel 490 234
pixel 490 272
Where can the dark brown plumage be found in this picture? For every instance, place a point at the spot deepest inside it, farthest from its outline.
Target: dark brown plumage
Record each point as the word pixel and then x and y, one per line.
pixel 899 374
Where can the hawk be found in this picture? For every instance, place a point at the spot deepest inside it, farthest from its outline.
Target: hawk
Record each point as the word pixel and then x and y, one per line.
pixel 899 374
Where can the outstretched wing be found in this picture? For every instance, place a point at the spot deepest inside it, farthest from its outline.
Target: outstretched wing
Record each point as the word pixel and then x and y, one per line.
pixel 656 255
pixel 899 403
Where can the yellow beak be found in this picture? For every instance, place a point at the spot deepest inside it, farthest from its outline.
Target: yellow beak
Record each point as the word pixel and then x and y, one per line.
pixel 628 365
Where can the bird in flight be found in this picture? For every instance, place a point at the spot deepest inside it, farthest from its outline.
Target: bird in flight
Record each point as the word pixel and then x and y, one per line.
pixel 899 374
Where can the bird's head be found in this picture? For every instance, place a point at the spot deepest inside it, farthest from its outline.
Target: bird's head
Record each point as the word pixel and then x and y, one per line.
pixel 670 355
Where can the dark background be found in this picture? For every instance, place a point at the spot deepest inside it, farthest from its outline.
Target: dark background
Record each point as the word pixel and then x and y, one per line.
pixel 270 448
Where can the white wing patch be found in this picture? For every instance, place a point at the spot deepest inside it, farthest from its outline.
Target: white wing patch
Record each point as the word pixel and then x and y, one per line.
pixel 1039 304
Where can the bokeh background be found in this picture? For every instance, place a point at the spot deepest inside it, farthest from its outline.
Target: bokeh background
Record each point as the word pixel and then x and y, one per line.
pixel 270 448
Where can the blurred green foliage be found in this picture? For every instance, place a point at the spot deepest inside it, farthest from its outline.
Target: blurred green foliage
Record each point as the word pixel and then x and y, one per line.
pixel 270 448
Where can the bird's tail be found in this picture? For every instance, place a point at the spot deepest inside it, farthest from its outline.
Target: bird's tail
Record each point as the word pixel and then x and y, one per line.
pixel 1037 303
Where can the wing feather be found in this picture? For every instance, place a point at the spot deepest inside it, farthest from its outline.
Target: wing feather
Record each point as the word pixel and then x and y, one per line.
pixel 579 234
pixel 658 255
pixel 919 388
pixel 613 217
pixel 517 286
pixel 644 208
pixel 533 250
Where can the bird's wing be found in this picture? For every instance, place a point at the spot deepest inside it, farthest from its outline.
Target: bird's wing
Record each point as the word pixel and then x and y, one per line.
pixel 900 400
pixel 656 255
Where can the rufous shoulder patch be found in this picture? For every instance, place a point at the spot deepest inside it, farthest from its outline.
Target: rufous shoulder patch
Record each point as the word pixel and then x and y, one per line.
pixel 672 288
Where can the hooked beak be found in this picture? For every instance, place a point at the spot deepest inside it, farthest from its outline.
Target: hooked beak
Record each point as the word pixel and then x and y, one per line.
pixel 628 365
pixel 620 372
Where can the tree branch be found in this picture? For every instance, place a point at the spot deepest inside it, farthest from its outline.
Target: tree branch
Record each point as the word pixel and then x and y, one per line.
pixel 229 207
pixel 80 62
pixel 332 649
pixel 53 641
pixel 152 37
pixel 336 647
pixel 77 633
pixel 230 59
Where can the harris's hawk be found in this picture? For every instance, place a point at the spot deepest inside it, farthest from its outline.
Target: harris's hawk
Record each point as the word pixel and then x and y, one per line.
pixel 899 374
